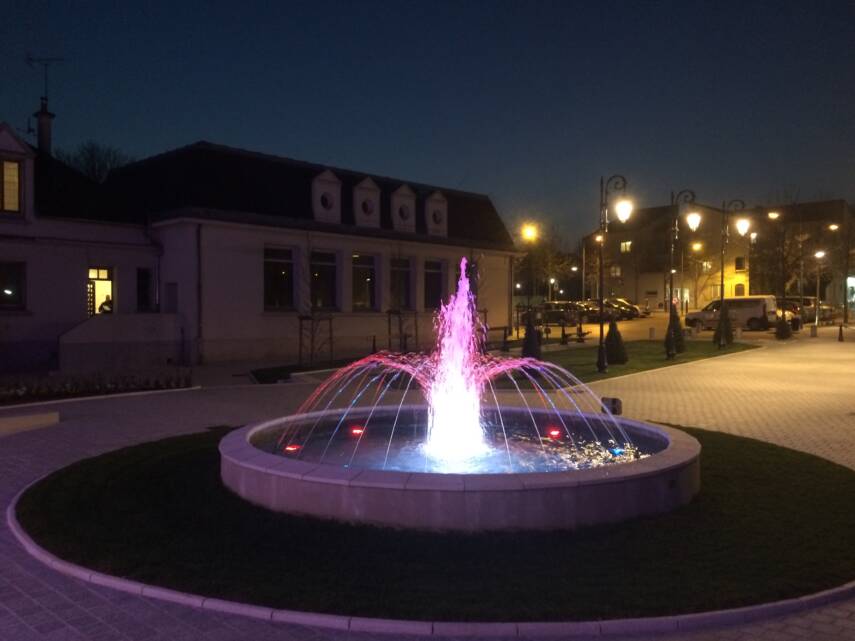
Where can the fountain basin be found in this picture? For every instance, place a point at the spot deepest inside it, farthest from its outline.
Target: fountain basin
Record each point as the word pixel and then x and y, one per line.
pixel 528 500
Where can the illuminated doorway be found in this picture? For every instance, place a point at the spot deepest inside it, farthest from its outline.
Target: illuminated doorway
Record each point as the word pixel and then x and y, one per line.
pixel 99 291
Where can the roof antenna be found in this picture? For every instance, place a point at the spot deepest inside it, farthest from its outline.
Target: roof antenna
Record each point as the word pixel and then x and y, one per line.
pixel 45 63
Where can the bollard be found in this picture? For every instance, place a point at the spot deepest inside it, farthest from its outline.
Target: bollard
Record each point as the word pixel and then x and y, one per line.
pixel 813 331
pixel 840 334
pixel 651 334
pixel 737 333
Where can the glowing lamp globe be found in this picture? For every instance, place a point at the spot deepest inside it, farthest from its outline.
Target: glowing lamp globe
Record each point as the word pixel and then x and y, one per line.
pixel 623 209
pixel 693 219
pixel 773 215
pixel 529 232
pixel 697 246
pixel 820 254
pixel 742 226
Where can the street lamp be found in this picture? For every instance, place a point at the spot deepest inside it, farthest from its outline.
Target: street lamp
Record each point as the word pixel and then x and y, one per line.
pixel 551 287
pixel 726 208
pixel 623 210
pixel 819 255
pixel 683 197
pixel 530 233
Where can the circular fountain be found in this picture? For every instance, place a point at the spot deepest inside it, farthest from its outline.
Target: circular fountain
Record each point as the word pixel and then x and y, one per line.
pixel 460 440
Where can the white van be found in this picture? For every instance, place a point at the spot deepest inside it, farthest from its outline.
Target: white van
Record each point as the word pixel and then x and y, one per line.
pixel 748 312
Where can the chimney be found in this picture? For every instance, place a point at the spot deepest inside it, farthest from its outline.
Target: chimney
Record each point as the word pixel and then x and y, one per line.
pixel 43 127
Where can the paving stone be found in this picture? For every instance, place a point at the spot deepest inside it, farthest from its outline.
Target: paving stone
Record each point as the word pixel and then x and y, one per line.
pixel 798 395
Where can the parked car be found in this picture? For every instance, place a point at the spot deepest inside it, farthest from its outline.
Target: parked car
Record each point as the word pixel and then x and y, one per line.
pixel 749 312
pixel 559 312
pixel 808 305
pixel 629 309
pixel 592 315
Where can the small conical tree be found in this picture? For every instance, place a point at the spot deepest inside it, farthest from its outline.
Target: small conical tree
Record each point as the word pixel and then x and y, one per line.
pixel 674 341
pixel 531 342
pixel 783 330
pixel 723 330
pixel 615 349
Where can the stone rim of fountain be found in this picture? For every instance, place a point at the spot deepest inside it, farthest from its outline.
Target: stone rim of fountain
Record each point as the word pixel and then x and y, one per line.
pixel 464 502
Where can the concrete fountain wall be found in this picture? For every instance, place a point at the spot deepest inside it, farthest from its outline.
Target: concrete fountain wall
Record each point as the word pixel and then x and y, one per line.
pixel 466 502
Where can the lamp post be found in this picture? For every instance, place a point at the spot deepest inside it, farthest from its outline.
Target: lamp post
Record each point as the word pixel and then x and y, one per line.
pixel 529 234
pixel 623 209
pixel 819 255
pixel 683 197
pixel 742 226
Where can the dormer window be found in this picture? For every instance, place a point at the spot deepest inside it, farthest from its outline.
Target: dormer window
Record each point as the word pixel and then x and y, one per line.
pixel 327 201
pixel 436 214
pixel 437 217
pixel 403 209
pixel 366 203
pixel 10 187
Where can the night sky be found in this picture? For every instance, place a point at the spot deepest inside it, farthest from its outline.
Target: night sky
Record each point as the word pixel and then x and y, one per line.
pixel 529 102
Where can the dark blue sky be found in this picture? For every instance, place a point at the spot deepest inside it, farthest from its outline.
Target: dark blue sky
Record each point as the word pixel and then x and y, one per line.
pixel 529 102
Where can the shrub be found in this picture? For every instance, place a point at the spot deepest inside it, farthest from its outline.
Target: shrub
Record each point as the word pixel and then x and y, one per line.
pixel 531 342
pixel 674 341
pixel 615 349
pixel 783 330
pixel 723 328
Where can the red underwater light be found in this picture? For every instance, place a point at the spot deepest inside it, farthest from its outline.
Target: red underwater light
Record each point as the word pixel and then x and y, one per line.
pixel 292 447
pixel 357 430
pixel 553 432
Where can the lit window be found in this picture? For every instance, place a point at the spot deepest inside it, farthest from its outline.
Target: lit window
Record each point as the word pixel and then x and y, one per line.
pixel 99 291
pixel 364 282
pixel 12 286
pixel 10 188
pixel 434 289
pixel 739 263
pixel 323 267
pixel 626 246
pixel 739 289
pixel 278 278
pixel 706 266
pixel 401 275
pixel 614 271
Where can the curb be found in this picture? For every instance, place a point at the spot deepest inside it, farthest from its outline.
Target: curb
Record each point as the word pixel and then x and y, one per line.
pixel 604 628
pixel 100 397
pixel 698 361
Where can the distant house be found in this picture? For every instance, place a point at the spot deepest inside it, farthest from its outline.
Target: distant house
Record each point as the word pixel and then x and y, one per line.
pixel 214 254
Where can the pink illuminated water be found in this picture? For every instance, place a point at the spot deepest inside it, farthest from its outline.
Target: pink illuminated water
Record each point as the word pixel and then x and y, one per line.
pixel 456 379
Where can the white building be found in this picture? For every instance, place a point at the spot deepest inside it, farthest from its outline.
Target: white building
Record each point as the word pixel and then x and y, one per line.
pixel 210 253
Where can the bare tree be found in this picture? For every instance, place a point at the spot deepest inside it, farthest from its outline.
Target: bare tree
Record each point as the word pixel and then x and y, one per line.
pixel 94 160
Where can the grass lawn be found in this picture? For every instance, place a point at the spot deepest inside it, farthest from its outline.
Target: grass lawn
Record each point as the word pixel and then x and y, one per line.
pixel 769 523
pixel 643 355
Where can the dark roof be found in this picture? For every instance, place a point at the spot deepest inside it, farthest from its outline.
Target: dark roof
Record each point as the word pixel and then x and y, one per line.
pixel 252 187
pixel 64 192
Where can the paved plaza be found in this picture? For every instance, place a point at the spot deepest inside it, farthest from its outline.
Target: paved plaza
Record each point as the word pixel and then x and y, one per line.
pixel 798 394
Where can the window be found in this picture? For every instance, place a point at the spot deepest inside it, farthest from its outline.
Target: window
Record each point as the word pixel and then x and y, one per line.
pixel 706 266
pixel 278 278
pixel 739 289
pixel 323 290
pixel 10 187
pixel 739 263
pixel 715 291
pixel 625 246
pixel 434 289
pixel 614 271
pixel 99 291
pixel 143 290
pixel 12 286
pixel 364 282
pixel 400 281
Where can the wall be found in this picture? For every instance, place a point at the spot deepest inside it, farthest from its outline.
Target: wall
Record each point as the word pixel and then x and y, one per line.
pixel 235 325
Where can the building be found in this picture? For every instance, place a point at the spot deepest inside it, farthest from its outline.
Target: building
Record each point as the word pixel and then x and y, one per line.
pixel 215 254
pixel 637 254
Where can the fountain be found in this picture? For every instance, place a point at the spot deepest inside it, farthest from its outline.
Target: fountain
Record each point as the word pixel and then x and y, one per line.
pixel 459 439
